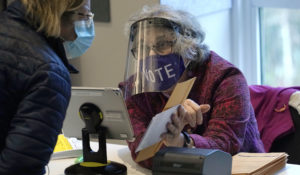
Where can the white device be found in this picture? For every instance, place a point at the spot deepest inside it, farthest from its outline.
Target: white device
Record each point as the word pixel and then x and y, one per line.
pixel 111 103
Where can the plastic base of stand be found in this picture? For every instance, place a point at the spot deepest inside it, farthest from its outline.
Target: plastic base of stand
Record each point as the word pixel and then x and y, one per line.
pixel 113 168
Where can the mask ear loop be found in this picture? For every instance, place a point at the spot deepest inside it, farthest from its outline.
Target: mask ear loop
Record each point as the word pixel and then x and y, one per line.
pixel 89 22
pixel 186 65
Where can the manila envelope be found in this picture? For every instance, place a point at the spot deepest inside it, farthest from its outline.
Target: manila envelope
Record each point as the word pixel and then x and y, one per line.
pixel 179 94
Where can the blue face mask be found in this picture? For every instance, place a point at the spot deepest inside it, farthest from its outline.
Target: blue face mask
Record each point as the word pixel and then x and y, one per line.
pixel 160 72
pixel 85 35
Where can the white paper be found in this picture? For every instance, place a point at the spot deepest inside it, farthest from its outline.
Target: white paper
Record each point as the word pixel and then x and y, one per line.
pixel 156 127
pixel 75 152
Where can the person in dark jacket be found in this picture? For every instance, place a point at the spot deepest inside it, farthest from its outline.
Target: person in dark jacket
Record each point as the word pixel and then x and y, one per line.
pixel 35 86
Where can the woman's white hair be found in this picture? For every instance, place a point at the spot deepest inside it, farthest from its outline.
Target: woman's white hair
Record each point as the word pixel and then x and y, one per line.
pixel 189 43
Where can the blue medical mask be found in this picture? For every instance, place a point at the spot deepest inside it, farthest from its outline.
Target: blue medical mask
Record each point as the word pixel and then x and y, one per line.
pixel 160 72
pixel 85 35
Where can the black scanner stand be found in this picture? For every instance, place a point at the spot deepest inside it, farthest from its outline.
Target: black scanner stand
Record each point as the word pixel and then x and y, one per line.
pixel 94 163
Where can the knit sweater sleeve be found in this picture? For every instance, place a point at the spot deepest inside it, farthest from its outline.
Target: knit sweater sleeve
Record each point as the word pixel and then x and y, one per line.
pixel 229 116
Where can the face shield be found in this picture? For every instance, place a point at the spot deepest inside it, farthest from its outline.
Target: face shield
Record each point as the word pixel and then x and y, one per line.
pixel 152 66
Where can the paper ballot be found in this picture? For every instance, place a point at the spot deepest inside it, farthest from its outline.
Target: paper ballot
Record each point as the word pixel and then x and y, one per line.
pixel 156 127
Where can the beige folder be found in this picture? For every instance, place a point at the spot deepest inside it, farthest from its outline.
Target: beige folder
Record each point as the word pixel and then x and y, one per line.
pixel 258 163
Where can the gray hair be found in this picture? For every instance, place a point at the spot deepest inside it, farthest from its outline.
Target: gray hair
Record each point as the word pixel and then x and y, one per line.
pixel 189 43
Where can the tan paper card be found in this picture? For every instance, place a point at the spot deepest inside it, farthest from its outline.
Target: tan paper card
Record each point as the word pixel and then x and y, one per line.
pixel 148 152
pixel 179 94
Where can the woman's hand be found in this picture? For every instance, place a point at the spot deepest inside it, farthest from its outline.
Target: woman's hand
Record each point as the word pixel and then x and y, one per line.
pixel 188 113
pixel 173 136
pixel 193 112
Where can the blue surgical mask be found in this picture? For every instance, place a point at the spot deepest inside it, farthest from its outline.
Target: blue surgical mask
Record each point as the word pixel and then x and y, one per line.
pixel 85 35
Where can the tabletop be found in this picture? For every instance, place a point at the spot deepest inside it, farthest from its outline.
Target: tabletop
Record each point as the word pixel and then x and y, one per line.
pixel 121 154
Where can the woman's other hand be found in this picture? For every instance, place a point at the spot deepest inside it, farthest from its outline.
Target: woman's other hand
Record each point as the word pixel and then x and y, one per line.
pixel 173 136
pixel 194 112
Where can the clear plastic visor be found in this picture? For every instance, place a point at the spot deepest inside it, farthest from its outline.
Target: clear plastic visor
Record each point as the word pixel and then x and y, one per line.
pixel 151 64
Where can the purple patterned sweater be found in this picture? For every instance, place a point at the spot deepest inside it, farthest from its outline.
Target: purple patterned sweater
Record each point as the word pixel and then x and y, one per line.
pixel 230 125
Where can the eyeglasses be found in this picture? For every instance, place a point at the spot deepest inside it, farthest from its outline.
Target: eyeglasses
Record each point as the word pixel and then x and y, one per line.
pixel 88 16
pixel 159 48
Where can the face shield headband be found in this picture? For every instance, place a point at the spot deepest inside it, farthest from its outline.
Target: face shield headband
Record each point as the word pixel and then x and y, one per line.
pixel 151 64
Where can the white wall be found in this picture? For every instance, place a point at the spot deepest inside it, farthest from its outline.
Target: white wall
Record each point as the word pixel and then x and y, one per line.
pixel 215 19
pixel 217 27
pixel 103 65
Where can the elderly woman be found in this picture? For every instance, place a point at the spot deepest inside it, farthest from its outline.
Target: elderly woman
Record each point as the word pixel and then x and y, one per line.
pixel 35 37
pixel 166 47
